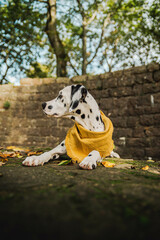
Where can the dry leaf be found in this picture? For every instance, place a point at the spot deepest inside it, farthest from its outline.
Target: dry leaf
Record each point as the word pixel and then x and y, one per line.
pixel 31 153
pixel 150 160
pixel 34 153
pixel 18 149
pixel 145 168
pixel 108 164
pixel 65 162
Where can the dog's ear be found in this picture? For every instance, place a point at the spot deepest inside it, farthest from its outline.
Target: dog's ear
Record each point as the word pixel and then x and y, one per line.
pixel 79 97
pixel 84 94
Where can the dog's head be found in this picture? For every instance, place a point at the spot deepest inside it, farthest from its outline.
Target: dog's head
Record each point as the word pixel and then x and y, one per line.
pixel 66 102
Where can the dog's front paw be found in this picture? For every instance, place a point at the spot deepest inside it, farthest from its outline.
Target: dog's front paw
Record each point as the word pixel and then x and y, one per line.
pixel 88 163
pixel 33 161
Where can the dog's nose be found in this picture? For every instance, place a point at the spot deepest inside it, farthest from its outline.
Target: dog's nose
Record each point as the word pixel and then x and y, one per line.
pixel 44 105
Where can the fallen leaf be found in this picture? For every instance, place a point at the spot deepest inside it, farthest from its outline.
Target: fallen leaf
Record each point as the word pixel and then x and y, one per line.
pixel 108 164
pixel 145 168
pixel 150 160
pixel 34 153
pixel 18 149
pixel 64 162
pixel 19 155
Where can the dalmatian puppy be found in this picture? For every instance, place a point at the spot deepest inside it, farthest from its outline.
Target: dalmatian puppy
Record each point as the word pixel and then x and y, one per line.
pixel 76 103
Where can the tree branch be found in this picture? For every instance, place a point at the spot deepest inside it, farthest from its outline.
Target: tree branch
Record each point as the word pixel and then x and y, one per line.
pixel 106 21
pixel 73 66
pixel 92 18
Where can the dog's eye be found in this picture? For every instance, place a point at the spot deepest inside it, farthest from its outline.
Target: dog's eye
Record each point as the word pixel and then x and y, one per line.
pixel 60 96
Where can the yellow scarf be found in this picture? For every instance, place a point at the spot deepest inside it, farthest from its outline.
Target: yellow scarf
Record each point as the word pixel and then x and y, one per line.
pixel 80 142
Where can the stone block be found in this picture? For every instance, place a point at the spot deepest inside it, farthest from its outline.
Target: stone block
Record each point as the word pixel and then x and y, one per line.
pixel 30 81
pixel 146 120
pixel 134 153
pixel 48 80
pixel 117 74
pixel 156 76
pixel 106 76
pixel 153 66
pixel 143 78
pixel 151 87
pixel 123 132
pixel 119 121
pixel 6 88
pixel 136 142
pixel 126 80
pixel 132 121
pixel 139 132
pixel 94 85
pixel 110 83
pixel 79 79
pixel 63 80
pixel 153 152
pixel 139 69
pixel 93 77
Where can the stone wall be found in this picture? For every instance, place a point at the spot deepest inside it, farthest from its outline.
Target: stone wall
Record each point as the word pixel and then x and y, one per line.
pixel 131 98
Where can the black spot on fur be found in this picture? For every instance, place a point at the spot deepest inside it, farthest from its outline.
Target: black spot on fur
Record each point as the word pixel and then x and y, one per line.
pixel 74 89
pixel 64 105
pixel 78 111
pixel 60 96
pixel 83 116
pixel 75 104
pixel 89 155
pixel 91 110
pixel 62 144
pixel 73 118
pixel 62 100
pixel 88 116
pixel 97 118
pixel 84 94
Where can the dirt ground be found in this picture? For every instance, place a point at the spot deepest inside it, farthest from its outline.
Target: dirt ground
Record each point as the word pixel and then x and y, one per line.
pixel 57 202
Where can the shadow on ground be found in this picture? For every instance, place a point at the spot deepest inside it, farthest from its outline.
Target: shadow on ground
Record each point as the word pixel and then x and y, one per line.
pixel 60 202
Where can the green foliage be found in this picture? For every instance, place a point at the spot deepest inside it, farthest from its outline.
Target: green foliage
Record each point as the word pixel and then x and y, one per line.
pixel 6 105
pixel 117 33
pixel 21 36
pixel 38 70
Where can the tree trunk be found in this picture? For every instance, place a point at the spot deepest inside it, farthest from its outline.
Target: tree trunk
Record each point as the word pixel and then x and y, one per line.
pixel 55 41
pixel 84 47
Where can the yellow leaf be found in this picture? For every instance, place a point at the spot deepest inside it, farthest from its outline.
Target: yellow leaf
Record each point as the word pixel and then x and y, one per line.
pixel 108 164
pixel 145 168
pixel 31 153
pixel 19 156
pixel 34 153
pixel 150 160
pixel 18 149
pixel 64 162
